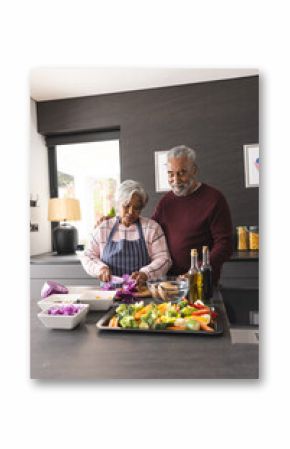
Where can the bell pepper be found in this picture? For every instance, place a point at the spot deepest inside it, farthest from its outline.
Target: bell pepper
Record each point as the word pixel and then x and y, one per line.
pixel 202 311
pixel 198 304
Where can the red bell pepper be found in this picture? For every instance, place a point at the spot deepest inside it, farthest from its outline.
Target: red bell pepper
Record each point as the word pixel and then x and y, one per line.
pixel 197 305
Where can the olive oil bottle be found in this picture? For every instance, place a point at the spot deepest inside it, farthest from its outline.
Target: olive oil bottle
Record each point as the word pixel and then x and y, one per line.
pixel 192 277
pixel 206 270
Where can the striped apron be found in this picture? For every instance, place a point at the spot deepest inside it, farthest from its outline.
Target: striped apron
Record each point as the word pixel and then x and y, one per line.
pixel 125 256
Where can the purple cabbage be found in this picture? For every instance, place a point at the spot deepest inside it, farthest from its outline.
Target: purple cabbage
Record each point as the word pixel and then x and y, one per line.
pixel 52 287
pixel 126 293
pixel 107 286
pixel 65 310
pixel 115 282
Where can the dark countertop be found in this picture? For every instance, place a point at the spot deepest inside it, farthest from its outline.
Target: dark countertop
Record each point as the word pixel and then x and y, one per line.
pixel 74 259
pixel 54 258
pixel 87 353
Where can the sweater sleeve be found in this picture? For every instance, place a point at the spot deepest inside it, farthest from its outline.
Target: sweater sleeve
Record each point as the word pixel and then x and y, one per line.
pixel 222 235
pixel 159 254
pixel 157 213
pixel 90 260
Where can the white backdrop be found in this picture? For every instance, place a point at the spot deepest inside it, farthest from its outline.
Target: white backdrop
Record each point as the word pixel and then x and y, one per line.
pixel 138 414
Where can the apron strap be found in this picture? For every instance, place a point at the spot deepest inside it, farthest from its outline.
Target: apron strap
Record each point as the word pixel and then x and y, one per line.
pixel 113 230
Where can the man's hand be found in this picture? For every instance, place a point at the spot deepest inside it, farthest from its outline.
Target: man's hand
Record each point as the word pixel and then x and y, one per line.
pixel 139 277
pixel 105 274
pixel 104 217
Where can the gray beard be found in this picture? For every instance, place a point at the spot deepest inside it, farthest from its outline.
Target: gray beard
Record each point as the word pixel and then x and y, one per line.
pixel 184 191
pixel 180 192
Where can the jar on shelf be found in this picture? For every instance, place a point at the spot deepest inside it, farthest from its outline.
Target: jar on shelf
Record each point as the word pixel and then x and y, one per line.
pixel 242 238
pixel 254 238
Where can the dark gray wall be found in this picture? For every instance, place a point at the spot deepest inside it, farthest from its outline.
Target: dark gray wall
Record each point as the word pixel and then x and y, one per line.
pixel 216 118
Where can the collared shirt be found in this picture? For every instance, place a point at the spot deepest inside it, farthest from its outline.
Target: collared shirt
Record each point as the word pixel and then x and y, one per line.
pixel 154 239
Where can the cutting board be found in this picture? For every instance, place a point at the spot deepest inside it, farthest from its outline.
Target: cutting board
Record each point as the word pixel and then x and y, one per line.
pixel 143 292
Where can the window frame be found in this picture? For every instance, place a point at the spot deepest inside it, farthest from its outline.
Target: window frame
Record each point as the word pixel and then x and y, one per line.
pixel 53 141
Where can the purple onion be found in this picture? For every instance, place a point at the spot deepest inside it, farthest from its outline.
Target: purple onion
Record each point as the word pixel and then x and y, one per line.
pixel 52 287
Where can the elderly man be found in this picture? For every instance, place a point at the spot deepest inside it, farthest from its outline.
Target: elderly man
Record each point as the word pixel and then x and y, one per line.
pixel 193 214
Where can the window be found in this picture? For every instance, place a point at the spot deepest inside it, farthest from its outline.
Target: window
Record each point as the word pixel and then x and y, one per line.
pixel 90 172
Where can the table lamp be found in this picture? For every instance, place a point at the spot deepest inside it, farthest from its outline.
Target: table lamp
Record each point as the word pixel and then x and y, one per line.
pixel 65 236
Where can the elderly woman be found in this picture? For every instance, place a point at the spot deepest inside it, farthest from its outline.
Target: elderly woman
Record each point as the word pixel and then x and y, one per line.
pixel 128 243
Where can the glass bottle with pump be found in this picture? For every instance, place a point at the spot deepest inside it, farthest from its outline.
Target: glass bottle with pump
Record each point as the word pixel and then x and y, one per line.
pixel 192 277
pixel 206 271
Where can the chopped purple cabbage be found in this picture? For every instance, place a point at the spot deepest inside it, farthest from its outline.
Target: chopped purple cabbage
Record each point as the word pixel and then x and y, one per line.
pixel 107 286
pixel 65 310
pixel 126 294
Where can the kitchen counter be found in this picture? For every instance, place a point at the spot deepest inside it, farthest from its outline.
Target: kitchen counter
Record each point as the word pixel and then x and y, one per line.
pixel 72 259
pixel 87 353
pixel 54 258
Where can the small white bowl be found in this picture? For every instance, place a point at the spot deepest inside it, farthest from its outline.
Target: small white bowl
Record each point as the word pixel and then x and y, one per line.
pixel 98 299
pixel 54 300
pixel 63 321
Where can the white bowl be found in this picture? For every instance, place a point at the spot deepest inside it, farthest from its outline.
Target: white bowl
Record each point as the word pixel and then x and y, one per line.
pixel 63 321
pixel 79 289
pixel 53 300
pixel 98 299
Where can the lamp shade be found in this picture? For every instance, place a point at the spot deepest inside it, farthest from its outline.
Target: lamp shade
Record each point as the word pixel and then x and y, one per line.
pixel 63 209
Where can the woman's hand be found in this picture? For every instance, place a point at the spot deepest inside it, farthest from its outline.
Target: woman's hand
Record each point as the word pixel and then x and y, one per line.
pixel 105 274
pixel 101 219
pixel 139 277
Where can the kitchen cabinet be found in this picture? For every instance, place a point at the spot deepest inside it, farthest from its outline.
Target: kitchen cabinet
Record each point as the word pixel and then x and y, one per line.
pixel 240 288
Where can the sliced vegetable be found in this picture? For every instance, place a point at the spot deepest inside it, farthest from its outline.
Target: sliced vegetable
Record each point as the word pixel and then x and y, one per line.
pixel 201 311
pixel 167 319
pixel 180 322
pixel 192 325
pixel 198 304
pixel 113 322
pixel 187 311
pixel 143 325
pixel 205 327
pixel 163 316
pixel 128 321
pixel 204 318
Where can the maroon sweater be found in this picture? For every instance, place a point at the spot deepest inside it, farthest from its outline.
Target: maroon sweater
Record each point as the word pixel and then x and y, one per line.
pixel 201 218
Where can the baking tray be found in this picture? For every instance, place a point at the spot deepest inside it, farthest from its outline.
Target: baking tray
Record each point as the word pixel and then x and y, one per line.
pixel 102 324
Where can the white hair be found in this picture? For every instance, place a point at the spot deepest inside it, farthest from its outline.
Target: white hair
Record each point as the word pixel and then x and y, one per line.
pixel 182 151
pixel 127 189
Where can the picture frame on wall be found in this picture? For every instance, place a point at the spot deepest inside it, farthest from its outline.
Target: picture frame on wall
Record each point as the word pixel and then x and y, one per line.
pixel 251 165
pixel 161 178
